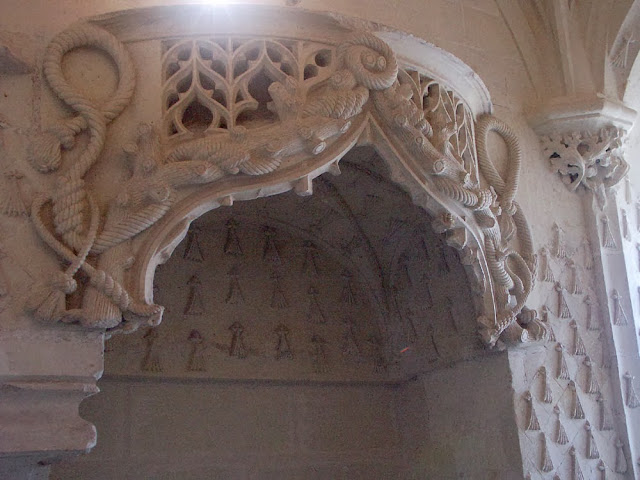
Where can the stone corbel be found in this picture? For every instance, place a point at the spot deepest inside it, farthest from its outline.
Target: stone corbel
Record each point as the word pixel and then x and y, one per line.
pixel 583 140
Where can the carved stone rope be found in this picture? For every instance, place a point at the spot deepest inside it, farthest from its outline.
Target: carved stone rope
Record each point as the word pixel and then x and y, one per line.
pixel 365 69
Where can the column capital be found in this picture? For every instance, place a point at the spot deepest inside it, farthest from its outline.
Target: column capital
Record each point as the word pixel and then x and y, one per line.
pixel 583 139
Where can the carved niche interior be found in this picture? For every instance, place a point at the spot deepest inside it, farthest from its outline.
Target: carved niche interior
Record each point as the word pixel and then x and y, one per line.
pixel 351 283
pixel 227 114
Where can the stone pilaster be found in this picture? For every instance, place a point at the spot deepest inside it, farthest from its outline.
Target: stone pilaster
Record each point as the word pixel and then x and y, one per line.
pixel 583 142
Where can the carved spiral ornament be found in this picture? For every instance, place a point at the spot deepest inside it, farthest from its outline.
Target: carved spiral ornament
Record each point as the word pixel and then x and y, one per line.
pixel 371 61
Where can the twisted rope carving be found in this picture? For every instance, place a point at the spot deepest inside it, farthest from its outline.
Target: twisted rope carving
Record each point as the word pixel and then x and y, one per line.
pixel 71 199
pixel 371 60
pixel 518 279
pixel 99 279
pixel 506 190
pixel 69 203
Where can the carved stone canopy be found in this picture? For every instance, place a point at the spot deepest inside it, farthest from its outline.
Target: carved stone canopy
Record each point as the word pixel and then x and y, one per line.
pixel 235 104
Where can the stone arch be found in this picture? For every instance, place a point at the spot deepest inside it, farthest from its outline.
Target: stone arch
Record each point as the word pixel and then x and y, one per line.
pixel 382 276
pixel 415 104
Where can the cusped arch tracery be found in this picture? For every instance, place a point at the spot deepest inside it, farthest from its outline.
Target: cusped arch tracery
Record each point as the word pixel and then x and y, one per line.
pixel 420 127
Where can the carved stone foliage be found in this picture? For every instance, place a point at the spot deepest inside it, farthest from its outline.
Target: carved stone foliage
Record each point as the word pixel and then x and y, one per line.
pixel 334 286
pixel 591 159
pixel 255 117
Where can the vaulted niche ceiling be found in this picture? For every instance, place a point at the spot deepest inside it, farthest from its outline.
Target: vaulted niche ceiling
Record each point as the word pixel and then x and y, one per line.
pixel 349 284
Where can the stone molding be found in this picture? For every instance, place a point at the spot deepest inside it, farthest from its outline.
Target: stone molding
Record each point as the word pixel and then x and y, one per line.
pixel 419 125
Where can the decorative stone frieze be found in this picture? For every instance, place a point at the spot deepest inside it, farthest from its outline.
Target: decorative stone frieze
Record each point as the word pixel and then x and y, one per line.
pixel 244 119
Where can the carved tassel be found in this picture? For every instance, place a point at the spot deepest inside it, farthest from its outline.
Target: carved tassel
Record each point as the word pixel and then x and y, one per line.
pixel 379 357
pixel 11 203
pixel 588 255
pixel 546 464
pixel 547 396
pixel 591 323
pixel 605 421
pixel 561 433
pixel 192 251
pixel 578 344
pixel 278 300
pixel 625 225
pixel 283 346
pixel 194 305
pixel 270 251
pixel 237 348
pixel 592 383
pixel 631 398
pixel 350 347
pixel 576 412
pixel 532 423
pixel 619 315
pixel 576 289
pixel 232 242
pixel 563 308
pixel 315 313
pixel 348 296
pixel 319 354
pixel 621 460
pixel 310 265
pixel 607 237
pixel 234 295
pixel 559 248
pixel 563 369
pixel 576 471
pixel 592 449
pixel 196 358
pixel 545 319
pixel 545 269
pixel 602 469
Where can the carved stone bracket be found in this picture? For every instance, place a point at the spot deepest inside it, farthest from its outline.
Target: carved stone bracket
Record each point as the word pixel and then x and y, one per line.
pixel 221 141
pixel 583 141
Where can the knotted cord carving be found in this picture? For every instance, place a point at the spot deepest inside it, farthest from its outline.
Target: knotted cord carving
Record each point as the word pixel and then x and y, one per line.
pixel 430 121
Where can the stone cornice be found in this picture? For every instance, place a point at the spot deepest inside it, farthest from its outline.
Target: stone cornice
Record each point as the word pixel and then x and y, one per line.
pixel 579 114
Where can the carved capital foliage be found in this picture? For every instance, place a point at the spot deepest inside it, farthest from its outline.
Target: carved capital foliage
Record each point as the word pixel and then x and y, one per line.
pixel 248 118
pixel 583 139
pixel 591 159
